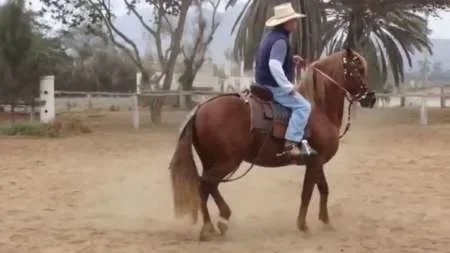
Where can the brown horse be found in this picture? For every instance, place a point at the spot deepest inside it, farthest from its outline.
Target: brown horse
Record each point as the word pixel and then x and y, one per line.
pixel 229 129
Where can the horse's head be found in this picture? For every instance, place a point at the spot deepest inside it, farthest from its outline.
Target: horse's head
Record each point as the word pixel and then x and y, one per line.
pixel 345 71
pixel 356 79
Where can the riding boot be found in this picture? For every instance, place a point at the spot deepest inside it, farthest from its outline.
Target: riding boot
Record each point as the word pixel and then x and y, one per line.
pixel 291 149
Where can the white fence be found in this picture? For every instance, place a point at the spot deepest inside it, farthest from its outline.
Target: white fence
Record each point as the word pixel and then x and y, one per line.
pixel 420 101
pixel 52 101
pixel 58 101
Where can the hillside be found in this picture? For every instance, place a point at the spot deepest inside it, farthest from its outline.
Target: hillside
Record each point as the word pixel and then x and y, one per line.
pixel 224 39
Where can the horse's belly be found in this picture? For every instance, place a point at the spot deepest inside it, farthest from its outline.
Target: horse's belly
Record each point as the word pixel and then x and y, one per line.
pixel 264 152
pixel 270 162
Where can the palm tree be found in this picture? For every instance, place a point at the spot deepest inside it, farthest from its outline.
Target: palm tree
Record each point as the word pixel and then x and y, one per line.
pixel 385 34
pixel 250 27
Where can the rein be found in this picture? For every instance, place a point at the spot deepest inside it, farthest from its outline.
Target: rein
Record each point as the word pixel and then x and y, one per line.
pixel 349 98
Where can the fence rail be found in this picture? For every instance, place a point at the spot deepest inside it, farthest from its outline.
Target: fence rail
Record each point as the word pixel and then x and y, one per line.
pixel 412 95
pixel 94 93
pixel 35 102
pixel 47 102
pixel 162 93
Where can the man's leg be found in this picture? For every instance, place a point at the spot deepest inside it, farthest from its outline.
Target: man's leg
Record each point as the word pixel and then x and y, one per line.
pixel 301 110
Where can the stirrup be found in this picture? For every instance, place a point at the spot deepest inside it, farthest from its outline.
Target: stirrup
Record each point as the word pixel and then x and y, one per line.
pixel 306 149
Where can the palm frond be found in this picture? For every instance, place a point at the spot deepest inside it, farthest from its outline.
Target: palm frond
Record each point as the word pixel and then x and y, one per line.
pixel 250 27
pixel 394 35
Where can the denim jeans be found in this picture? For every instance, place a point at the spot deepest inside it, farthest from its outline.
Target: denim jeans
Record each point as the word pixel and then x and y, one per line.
pixel 301 109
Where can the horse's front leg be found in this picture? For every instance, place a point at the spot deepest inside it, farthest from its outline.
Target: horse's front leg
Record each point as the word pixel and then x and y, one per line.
pixel 322 185
pixel 309 182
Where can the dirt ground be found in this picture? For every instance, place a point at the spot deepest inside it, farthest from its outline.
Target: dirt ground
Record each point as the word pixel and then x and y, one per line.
pixel 109 192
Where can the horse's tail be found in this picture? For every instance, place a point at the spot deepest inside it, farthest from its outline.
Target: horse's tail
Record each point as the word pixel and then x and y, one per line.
pixel 183 173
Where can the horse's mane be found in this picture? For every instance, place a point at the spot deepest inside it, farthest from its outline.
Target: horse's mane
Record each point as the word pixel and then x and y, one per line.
pixel 313 86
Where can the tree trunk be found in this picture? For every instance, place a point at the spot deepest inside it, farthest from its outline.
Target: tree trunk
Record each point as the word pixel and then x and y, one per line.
pixel 156 106
pixel 222 84
pixel 32 108
pixel 13 111
pixel 402 101
pixel 188 84
pixel 158 102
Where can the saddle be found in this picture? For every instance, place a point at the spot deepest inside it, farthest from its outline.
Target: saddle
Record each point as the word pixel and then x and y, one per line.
pixel 266 115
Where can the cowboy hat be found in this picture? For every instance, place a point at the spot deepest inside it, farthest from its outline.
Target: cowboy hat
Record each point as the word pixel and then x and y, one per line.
pixel 283 13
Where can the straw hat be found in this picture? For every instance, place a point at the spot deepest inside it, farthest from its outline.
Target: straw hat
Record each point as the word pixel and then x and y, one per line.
pixel 283 13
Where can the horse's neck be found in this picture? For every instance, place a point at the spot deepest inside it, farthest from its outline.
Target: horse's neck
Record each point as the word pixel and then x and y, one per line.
pixel 334 106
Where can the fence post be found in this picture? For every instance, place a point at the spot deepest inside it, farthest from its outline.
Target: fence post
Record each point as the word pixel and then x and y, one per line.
pixel 89 99
pixel 442 98
pixel 423 113
pixel 31 113
pixel 47 94
pixel 135 97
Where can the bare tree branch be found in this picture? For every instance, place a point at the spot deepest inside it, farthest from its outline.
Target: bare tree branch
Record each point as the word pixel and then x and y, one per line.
pixel 107 16
pixel 166 18
pixel 195 56
pixel 155 33
pixel 200 44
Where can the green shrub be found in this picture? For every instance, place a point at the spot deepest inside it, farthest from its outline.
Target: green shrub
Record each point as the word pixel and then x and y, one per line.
pixel 25 129
pixel 57 128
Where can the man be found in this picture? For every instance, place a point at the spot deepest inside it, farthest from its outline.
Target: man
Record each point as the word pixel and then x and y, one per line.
pixel 275 70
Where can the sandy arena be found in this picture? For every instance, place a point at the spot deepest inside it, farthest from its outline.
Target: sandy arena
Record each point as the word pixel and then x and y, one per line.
pixel 109 192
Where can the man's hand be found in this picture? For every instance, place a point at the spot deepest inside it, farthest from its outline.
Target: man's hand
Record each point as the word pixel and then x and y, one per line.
pixel 292 92
pixel 298 60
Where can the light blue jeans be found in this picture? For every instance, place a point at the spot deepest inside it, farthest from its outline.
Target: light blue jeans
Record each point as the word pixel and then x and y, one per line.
pixel 301 109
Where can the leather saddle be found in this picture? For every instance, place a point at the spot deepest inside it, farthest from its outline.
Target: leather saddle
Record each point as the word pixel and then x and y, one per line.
pixel 266 115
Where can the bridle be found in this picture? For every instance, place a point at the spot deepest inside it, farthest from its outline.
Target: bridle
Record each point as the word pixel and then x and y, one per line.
pixel 351 98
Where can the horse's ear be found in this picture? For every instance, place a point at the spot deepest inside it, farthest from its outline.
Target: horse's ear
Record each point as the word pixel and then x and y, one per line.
pixel 350 38
pixel 348 52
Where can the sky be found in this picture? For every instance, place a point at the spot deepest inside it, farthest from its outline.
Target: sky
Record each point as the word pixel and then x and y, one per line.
pixel 438 26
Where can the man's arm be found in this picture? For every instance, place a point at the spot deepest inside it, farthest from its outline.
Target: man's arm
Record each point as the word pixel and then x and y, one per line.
pixel 277 56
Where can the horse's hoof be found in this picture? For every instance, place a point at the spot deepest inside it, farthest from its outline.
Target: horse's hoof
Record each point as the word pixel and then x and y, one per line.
pixel 305 231
pixel 222 224
pixel 303 227
pixel 204 237
pixel 324 218
pixel 207 232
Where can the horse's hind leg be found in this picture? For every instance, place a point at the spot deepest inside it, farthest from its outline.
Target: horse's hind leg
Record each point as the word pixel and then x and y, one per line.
pixel 215 173
pixel 224 210
pixel 207 230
